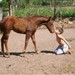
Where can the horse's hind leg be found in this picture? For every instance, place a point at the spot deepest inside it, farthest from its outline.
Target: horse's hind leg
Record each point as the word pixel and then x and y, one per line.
pixel 4 41
pixel 2 45
pixel 34 42
pixel 6 45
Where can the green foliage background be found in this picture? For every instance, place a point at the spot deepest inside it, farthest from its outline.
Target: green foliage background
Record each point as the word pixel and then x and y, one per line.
pixel 41 7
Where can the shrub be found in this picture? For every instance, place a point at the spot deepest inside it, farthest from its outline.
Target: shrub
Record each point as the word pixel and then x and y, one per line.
pixel 44 11
pixel 33 11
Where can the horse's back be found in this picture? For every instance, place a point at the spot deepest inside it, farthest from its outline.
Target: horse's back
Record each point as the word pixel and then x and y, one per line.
pixel 20 25
pixel 14 23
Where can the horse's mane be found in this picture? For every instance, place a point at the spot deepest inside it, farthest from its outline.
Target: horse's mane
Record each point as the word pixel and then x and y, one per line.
pixel 39 16
pixel 33 16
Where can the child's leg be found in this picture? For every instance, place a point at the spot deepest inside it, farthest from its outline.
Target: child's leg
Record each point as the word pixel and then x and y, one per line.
pixel 56 49
pixel 59 51
pixel 68 52
pixel 66 49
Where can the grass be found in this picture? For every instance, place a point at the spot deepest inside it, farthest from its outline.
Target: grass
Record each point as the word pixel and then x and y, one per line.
pixel 68 13
pixel 44 11
pixel 33 11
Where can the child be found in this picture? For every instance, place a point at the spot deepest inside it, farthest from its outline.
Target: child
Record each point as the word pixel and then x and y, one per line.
pixel 63 44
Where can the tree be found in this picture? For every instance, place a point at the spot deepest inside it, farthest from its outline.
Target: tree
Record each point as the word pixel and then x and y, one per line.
pixel 10 7
pixel 54 9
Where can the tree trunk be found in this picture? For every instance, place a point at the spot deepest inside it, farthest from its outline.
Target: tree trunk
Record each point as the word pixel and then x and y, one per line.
pixel 10 8
pixel 54 17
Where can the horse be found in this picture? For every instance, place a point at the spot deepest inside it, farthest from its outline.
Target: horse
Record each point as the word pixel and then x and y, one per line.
pixel 27 25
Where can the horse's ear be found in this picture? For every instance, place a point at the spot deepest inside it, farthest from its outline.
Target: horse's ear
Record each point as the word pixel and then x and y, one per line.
pixel 49 18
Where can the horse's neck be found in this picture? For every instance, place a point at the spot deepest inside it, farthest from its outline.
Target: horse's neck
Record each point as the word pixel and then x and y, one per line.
pixel 41 22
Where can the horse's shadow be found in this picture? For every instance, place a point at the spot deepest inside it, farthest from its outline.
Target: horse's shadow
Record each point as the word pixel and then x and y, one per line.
pixel 19 53
pixel 46 51
pixel 13 53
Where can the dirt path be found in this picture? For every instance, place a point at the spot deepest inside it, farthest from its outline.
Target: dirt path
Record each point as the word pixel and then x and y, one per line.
pixel 43 63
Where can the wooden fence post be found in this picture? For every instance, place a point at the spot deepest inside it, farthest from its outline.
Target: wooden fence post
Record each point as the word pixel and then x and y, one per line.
pixel 10 7
pixel 54 9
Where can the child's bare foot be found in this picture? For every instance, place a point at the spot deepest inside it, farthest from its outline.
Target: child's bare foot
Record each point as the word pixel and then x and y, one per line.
pixel 68 52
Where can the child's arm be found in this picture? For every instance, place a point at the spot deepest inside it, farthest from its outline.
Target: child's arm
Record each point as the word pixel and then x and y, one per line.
pixel 65 41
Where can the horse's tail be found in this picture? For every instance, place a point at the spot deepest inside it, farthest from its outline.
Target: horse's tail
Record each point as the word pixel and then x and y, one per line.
pixel 0 26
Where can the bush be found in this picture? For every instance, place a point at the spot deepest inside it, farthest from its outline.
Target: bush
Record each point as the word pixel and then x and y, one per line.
pixel 44 11
pixel 68 13
pixel 33 11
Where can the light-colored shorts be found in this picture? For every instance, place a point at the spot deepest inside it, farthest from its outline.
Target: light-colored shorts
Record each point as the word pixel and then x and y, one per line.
pixel 61 49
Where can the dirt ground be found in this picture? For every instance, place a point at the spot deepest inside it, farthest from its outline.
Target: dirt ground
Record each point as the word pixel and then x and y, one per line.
pixel 44 63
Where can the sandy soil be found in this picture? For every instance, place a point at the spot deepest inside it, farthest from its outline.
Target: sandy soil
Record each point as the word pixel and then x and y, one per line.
pixel 45 62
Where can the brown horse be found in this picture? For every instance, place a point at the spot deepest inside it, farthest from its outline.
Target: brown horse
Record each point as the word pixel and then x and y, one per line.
pixel 26 26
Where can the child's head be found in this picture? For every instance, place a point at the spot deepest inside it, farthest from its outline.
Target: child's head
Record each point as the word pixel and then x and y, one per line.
pixel 60 30
pixel 60 19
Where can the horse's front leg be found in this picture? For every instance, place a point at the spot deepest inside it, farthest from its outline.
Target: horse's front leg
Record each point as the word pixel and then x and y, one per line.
pixel 28 35
pixel 34 42
pixel 4 41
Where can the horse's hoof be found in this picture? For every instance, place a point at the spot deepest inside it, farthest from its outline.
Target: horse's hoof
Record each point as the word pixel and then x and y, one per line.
pixel 7 56
pixel 22 55
pixel 4 55
pixel 37 52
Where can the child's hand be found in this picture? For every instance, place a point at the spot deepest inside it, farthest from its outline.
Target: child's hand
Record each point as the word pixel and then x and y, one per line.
pixel 56 31
pixel 69 47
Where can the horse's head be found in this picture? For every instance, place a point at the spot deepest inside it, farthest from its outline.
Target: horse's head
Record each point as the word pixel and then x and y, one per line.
pixel 49 24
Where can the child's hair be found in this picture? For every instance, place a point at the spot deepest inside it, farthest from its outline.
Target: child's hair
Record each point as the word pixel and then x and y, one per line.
pixel 60 19
pixel 60 29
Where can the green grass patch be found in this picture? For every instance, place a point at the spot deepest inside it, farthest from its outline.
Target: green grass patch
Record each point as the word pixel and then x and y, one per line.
pixel 33 11
pixel 44 11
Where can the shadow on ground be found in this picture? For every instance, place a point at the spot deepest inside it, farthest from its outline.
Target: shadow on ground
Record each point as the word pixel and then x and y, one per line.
pixel 19 53
pixel 46 51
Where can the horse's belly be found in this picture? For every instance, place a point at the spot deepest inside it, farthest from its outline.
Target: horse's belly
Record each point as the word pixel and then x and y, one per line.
pixel 19 28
